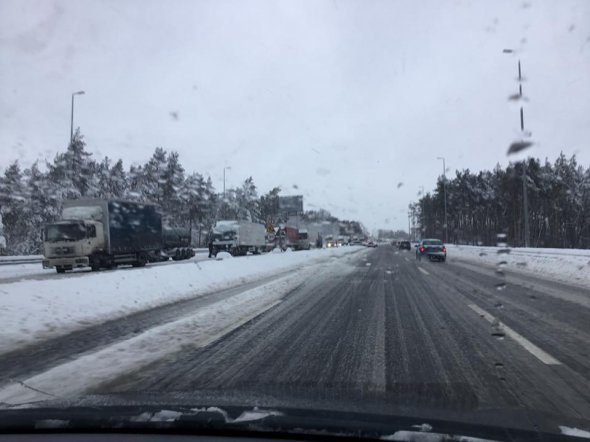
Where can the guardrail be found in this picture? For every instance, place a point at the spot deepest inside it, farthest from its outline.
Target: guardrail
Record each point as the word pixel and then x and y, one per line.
pixel 12 260
pixel 36 259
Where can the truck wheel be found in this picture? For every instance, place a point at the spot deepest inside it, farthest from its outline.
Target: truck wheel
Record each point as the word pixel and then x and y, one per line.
pixel 60 269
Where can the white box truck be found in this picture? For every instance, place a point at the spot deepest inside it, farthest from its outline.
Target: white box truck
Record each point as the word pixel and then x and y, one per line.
pixel 238 237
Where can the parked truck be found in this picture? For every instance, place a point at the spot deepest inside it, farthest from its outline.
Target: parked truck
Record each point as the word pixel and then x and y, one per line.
pixel 238 237
pixel 99 233
pixel 303 240
pixel 176 243
pixel 289 237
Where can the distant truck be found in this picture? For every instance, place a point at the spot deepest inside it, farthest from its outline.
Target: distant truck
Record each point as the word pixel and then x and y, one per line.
pixel 238 237
pixel 303 242
pixel 289 237
pixel 100 233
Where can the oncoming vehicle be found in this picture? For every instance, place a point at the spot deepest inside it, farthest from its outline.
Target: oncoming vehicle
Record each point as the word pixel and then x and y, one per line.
pixel 433 249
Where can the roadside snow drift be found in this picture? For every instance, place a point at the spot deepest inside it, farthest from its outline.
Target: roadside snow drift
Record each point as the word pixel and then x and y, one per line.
pixel 37 310
pixel 567 265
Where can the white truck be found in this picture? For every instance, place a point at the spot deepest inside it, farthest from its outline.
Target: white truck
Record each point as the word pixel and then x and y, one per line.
pixel 238 237
pixel 99 233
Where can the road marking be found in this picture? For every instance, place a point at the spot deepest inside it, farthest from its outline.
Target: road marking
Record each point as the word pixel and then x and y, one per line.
pixel 423 271
pixel 541 355
pixel 406 259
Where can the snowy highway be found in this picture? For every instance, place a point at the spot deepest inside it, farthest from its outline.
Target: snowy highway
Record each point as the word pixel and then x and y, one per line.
pixel 370 323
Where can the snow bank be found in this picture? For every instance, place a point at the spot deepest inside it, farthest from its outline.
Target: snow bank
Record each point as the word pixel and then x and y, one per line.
pixel 36 310
pixel 23 270
pixel 197 330
pixel 567 265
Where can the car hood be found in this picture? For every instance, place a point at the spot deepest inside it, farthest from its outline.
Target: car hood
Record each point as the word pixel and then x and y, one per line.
pixel 207 412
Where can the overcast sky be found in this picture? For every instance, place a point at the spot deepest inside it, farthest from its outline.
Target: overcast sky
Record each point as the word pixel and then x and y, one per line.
pixel 342 98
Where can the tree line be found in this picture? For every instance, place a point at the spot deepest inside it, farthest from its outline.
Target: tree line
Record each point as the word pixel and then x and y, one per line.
pixel 481 206
pixel 33 197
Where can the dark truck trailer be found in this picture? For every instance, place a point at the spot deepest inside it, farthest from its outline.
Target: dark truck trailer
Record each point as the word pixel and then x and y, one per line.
pixel 176 243
pixel 101 233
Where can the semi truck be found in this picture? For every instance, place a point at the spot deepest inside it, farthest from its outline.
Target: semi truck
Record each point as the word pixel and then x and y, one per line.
pixel 99 233
pixel 289 237
pixel 176 244
pixel 238 237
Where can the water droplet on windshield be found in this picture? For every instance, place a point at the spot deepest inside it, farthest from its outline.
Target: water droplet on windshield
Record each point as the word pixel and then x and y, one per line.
pixel 500 286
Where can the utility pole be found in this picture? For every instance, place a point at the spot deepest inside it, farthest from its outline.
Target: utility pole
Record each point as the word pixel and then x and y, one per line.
pixel 525 200
pixel 409 228
pixel 446 238
pixel 72 115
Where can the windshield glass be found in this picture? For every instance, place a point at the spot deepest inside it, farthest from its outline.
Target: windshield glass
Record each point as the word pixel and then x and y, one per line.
pixel 373 207
pixel 65 232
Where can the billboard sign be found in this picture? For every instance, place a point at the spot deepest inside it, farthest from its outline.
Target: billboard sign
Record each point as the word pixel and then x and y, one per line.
pixel 291 205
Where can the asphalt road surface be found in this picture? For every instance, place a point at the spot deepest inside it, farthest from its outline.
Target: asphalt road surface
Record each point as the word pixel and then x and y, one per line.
pixel 388 332
pixel 449 335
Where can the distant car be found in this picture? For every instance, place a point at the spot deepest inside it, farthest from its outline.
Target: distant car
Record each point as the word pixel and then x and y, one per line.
pixel 433 249
pixel 404 245
pixel 371 244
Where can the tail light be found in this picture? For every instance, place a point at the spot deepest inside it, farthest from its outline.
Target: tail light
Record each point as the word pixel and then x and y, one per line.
pixel 444 249
pixel 422 249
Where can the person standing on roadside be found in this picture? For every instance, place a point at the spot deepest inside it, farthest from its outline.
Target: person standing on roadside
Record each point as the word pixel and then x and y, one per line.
pixel 210 246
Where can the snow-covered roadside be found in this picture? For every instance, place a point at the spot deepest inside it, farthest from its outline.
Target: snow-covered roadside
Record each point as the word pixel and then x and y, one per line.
pixel 566 265
pixel 23 270
pixel 197 330
pixel 18 271
pixel 36 310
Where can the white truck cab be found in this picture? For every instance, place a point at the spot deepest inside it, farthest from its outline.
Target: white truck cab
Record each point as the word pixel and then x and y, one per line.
pixel 68 244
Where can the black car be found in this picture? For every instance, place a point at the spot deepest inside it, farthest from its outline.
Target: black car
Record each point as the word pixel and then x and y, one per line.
pixel 405 245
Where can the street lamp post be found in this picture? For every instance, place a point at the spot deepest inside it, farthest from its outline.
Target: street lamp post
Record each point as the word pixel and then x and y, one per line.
pixel 72 115
pixel 446 238
pixel 224 169
pixel 525 200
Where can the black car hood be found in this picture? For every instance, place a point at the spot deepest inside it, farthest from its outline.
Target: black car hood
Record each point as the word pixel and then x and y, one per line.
pixel 222 413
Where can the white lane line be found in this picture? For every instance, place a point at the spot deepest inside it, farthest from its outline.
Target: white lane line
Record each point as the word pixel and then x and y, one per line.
pixel 423 271
pixel 541 355
pixel 406 259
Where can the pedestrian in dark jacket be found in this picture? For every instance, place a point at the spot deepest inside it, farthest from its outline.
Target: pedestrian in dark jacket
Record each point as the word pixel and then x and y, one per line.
pixel 210 248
